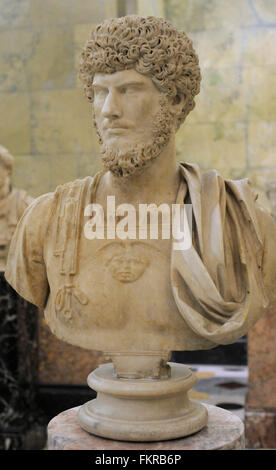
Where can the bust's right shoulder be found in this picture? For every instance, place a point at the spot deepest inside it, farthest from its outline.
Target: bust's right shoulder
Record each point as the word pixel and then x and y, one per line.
pixel 42 207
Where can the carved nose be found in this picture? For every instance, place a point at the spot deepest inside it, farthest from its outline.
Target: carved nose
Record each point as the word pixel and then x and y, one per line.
pixel 112 107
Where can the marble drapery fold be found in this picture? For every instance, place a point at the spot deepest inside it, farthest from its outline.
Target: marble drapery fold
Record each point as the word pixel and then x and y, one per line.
pixel 217 283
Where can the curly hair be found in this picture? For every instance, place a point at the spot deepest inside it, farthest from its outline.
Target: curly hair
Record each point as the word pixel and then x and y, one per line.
pixel 6 159
pixel 153 47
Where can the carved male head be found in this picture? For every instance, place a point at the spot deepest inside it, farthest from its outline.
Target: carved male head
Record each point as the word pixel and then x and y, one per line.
pixel 6 167
pixel 149 47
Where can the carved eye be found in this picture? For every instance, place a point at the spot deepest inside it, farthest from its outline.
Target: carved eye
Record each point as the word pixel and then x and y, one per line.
pixel 100 93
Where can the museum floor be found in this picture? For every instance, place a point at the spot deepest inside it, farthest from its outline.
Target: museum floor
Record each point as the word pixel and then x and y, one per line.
pixel 223 386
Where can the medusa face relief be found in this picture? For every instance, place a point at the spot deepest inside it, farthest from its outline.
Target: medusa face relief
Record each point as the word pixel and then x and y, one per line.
pixel 125 261
pixel 127 267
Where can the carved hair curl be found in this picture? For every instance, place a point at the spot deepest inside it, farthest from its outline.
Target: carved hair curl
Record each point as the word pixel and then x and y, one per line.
pixel 153 47
pixel 6 159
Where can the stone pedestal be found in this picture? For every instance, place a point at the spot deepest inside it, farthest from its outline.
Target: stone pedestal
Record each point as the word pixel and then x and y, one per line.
pixel 142 409
pixel 224 431
pixel 260 410
pixel 22 425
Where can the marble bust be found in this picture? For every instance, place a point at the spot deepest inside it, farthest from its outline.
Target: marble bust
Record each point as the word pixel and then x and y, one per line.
pixel 13 202
pixel 271 195
pixel 127 296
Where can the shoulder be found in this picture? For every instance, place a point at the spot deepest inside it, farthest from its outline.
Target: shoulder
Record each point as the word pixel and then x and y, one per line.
pixel 74 185
pixel 39 208
pixel 45 205
pixel 267 224
pixel 72 190
pixel 211 182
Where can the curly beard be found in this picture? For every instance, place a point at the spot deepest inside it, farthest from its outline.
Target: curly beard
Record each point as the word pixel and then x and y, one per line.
pixel 140 156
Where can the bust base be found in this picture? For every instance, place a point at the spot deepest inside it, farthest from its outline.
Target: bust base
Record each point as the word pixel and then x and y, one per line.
pixel 142 409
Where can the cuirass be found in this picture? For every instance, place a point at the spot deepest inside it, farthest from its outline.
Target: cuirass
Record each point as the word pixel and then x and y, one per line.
pixel 120 298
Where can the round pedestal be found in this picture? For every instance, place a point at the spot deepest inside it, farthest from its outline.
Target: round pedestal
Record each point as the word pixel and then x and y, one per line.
pixel 142 409
pixel 224 431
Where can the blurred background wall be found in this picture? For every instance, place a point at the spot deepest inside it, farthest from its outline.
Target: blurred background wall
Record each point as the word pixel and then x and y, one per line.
pixel 46 121
pixel 233 127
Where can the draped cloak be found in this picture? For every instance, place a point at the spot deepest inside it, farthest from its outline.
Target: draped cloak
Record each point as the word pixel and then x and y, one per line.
pixel 217 283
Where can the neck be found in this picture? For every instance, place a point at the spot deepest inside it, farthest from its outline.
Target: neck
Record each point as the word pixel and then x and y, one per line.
pixel 157 182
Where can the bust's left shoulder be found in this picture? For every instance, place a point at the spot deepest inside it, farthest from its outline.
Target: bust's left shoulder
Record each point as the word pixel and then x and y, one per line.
pixel 245 192
pixel 267 223
pixel 265 220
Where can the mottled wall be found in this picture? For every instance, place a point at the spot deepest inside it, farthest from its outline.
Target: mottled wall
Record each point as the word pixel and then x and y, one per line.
pixel 45 119
pixel 233 127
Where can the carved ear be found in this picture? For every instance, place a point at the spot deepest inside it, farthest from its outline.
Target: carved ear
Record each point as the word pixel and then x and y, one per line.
pixel 178 103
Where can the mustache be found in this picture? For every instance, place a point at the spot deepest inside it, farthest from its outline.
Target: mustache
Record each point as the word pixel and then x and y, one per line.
pixel 117 125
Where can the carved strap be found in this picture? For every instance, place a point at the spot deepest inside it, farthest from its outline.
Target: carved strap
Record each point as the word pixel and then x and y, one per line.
pixel 69 211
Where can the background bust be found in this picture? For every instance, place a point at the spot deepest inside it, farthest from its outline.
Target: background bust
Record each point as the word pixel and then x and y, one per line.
pixel 13 202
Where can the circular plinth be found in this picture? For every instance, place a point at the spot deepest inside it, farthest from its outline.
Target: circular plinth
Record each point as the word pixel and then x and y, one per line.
pixel 142 409
pixel 224 431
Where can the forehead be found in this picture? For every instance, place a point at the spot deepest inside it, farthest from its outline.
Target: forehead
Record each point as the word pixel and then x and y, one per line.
pixel 123 77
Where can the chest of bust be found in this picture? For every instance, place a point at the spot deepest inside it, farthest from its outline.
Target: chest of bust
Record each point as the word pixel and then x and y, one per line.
pixel 110 292
pixel 120 271
pixel 127 291
pixel 113 274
